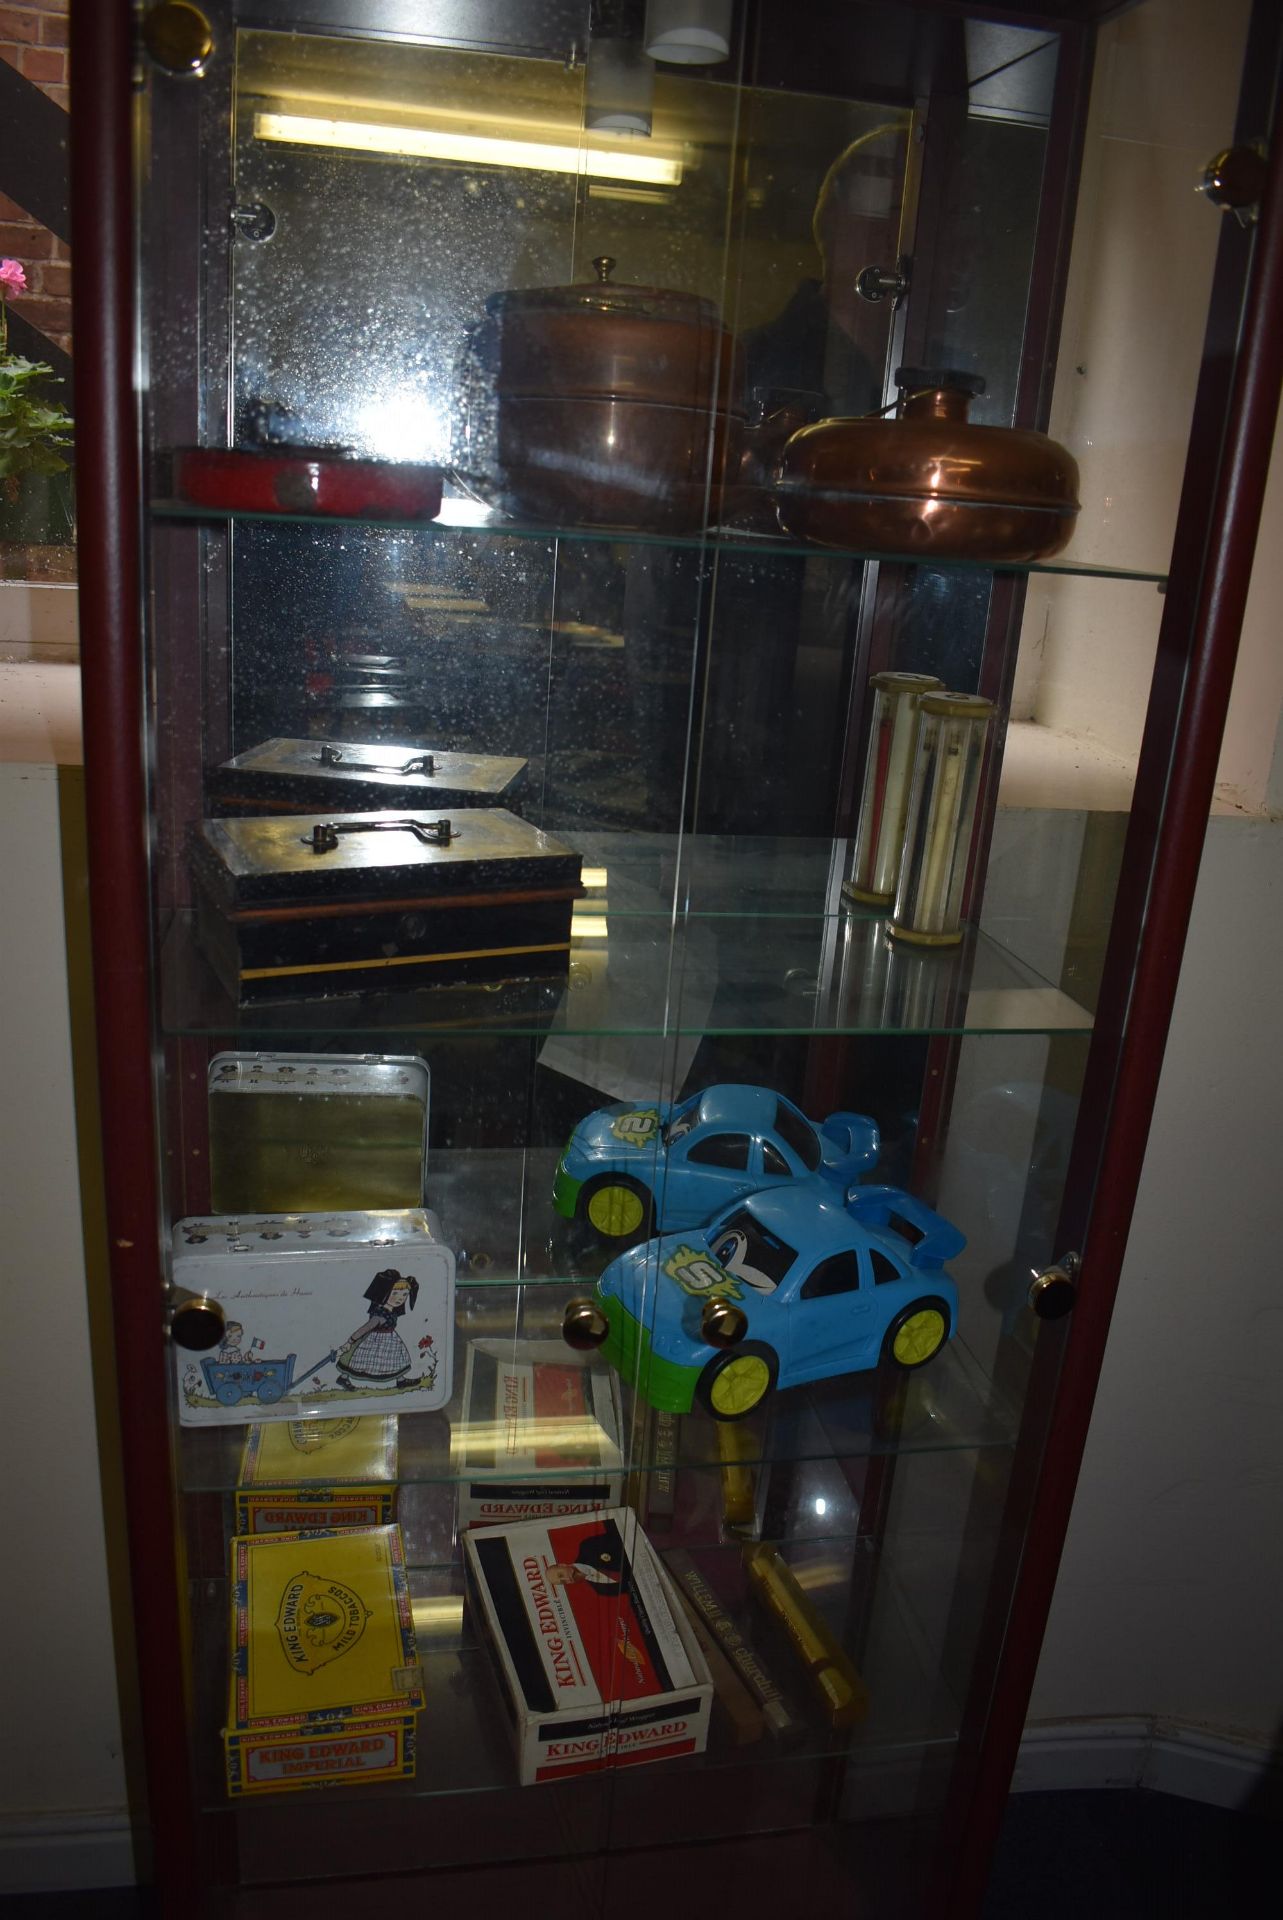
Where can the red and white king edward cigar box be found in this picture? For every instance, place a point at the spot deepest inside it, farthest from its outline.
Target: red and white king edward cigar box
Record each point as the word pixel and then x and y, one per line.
pixel 539 1436
pixel 325 1679
pixel 598 1664
pixel 300 1474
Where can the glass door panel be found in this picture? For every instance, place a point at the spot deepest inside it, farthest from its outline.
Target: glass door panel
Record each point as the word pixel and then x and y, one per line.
pixel 783 1174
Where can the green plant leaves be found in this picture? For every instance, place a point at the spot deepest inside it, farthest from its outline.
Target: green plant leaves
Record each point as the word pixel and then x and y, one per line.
pixel 33 434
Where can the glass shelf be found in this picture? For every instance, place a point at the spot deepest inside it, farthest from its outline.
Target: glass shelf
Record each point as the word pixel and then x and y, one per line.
pixel 663 949
pixel 465 1748
pixel 460 517
pixel 949 1406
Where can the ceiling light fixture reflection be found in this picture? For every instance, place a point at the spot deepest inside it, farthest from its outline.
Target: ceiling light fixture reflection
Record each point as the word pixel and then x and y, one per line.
pixel 476 149
pixel 638 196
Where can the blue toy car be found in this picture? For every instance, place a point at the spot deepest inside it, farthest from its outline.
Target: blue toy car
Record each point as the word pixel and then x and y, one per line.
pixel 633 1170
pixel 781 1288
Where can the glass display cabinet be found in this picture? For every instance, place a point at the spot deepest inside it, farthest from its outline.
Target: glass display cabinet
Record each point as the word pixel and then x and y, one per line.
pixel 550 640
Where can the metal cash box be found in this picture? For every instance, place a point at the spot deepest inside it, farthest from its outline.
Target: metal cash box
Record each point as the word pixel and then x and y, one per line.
pixel 310 905
pixel 283 776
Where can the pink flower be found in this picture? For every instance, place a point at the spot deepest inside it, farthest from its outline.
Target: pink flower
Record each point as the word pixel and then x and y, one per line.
pixel 13 278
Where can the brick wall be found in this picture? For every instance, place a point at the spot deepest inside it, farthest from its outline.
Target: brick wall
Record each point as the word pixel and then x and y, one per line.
pixel 33 38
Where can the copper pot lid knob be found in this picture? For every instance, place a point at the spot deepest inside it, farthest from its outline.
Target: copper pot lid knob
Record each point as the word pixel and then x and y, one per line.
pixel 939 379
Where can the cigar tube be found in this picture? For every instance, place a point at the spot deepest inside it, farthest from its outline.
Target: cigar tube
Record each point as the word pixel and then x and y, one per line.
pixel 780 1717
pixel 888 769
pixel 843 1692
pixel 949 749
pixel 746 1718
pixel 739 1490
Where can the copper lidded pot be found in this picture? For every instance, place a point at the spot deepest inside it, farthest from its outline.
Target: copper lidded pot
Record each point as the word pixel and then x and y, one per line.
pixel 928 483
pixel 603 405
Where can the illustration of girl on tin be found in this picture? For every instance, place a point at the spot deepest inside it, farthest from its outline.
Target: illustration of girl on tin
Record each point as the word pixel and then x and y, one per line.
pixel 375 1354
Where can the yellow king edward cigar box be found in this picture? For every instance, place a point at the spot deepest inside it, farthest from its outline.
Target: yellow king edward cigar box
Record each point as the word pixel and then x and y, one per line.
pixel 301 1474
pixel 325 1680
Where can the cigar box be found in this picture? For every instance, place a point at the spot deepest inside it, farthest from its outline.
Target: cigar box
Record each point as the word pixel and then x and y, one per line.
pixel 539 1436
pixel 311 1132
pixel 300 1474
pixel 303 776
pixel 325 1679
pixel 321 1315
pixel 597 1664
pixel 307 905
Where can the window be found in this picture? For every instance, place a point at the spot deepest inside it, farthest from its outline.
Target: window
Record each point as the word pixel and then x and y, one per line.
pixel 883 1269
pixel 840 1273
pixel 773 1161
pixel 721 1150
pixel 744 1247
pixel 798 1134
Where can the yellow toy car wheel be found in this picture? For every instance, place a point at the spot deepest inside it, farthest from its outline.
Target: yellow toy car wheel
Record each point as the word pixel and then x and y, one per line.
pixel 618 1210
pixel 735 1383
pixel 918 1334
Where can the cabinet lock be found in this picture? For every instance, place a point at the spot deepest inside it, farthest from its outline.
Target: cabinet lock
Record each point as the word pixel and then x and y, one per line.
pixel 1052 1292
pixel 197 1323
pixel 584 1325
pixel 1234 181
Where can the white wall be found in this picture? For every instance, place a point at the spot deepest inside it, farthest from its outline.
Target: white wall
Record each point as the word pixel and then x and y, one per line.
pixel 1163 103
pixel 1173 1570
pixel 1169 1596
pixel 62 1774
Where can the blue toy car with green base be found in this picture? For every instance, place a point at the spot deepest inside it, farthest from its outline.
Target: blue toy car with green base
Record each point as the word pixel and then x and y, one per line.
pixel 633 1170
pixel 783 1288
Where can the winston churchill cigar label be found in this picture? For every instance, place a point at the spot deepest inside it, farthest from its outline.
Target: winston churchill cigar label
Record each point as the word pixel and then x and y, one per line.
pixel 778 1714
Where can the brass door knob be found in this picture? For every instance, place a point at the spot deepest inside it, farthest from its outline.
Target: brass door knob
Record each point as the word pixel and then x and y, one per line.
pixel 178 37
pixel 1052 1292
pixel 583 1325
pixel 197 1323
pixel 722 1323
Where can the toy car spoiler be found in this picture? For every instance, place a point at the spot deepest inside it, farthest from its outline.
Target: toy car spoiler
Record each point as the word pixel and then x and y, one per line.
pixel 856 1134
pixel 931 1238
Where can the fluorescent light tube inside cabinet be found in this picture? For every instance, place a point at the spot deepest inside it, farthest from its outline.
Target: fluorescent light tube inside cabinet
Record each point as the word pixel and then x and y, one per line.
pixel 476 149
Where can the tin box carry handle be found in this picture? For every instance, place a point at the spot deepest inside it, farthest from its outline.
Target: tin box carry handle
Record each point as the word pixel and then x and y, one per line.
pixel 332 756
pixel 324 837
